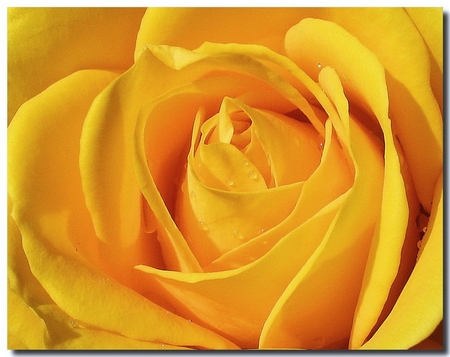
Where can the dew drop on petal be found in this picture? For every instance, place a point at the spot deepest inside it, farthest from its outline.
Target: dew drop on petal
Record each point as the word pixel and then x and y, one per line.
pixel 252 175
pixel 419 244
pixel 74 323
pixel 229 181
pixel 319 65
pixel 238 235
pixel 202 226
pixel 245 162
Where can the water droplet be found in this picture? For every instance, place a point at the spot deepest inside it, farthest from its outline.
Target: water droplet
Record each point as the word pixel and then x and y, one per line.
pixel 190 320
pixel 245 162
pixel 229 181
pixel 263 230
pixel 202 226
pixel 238 235
pixel 252 175
pixel 419 244
pixel 167 312
pixel 163 345
pixel 74 323
pixel 319 65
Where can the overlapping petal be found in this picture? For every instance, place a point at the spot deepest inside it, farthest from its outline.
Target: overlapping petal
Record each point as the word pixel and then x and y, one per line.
pixel 225 206
pixel 48 44
pixel 419 308
pixel 402 52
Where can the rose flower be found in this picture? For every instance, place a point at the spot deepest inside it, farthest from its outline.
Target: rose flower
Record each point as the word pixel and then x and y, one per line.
pixel 225 178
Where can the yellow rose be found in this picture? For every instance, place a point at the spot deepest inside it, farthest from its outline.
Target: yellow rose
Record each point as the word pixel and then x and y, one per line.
pixel 251 178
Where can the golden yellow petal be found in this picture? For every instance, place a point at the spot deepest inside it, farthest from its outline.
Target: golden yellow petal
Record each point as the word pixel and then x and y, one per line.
pixel 429 21
pixel 412 105
pixel 419 308
pixel 48 44
pixel 316 309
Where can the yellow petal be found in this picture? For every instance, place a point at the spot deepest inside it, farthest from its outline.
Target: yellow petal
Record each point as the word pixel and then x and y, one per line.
pixel 215 300
pixel 429 22
pixel 316 309
pixel 96 299
pixel 402 52
pixel 43 173
pixel 419 308
pixel 177 67
pixel 190 27
pixel 44 177
pixel 317 192
pixel 364 83
pixel 47 44
pixel 25 327
pixel 35 322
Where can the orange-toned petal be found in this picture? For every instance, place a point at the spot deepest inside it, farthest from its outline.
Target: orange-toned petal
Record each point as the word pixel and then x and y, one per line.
pixel 315 311
pixel 317 192
pixel 215 300
pixel 190 27
pixel 419 309
pixel 47 44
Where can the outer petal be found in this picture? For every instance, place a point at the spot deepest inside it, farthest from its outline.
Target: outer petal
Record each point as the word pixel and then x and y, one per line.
pixel 320 41
pixel 92 298
pixel 419 309
pixel 190 27
pixel 43 174
pixel 47 44
pixel 429 22
pixel 413 107
pixel 21 335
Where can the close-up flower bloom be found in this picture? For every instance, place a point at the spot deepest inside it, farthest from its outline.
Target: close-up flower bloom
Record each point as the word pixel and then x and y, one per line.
pixel 225 178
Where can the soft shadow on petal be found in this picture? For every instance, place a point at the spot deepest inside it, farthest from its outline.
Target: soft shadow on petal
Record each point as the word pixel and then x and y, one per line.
pixel 419 308
pixel 190 27
pixel 48 44
pixel 216 300
pixel 401 50
pixel 316 309
pixel 430 21
pixel 364 83
pixel 43 174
